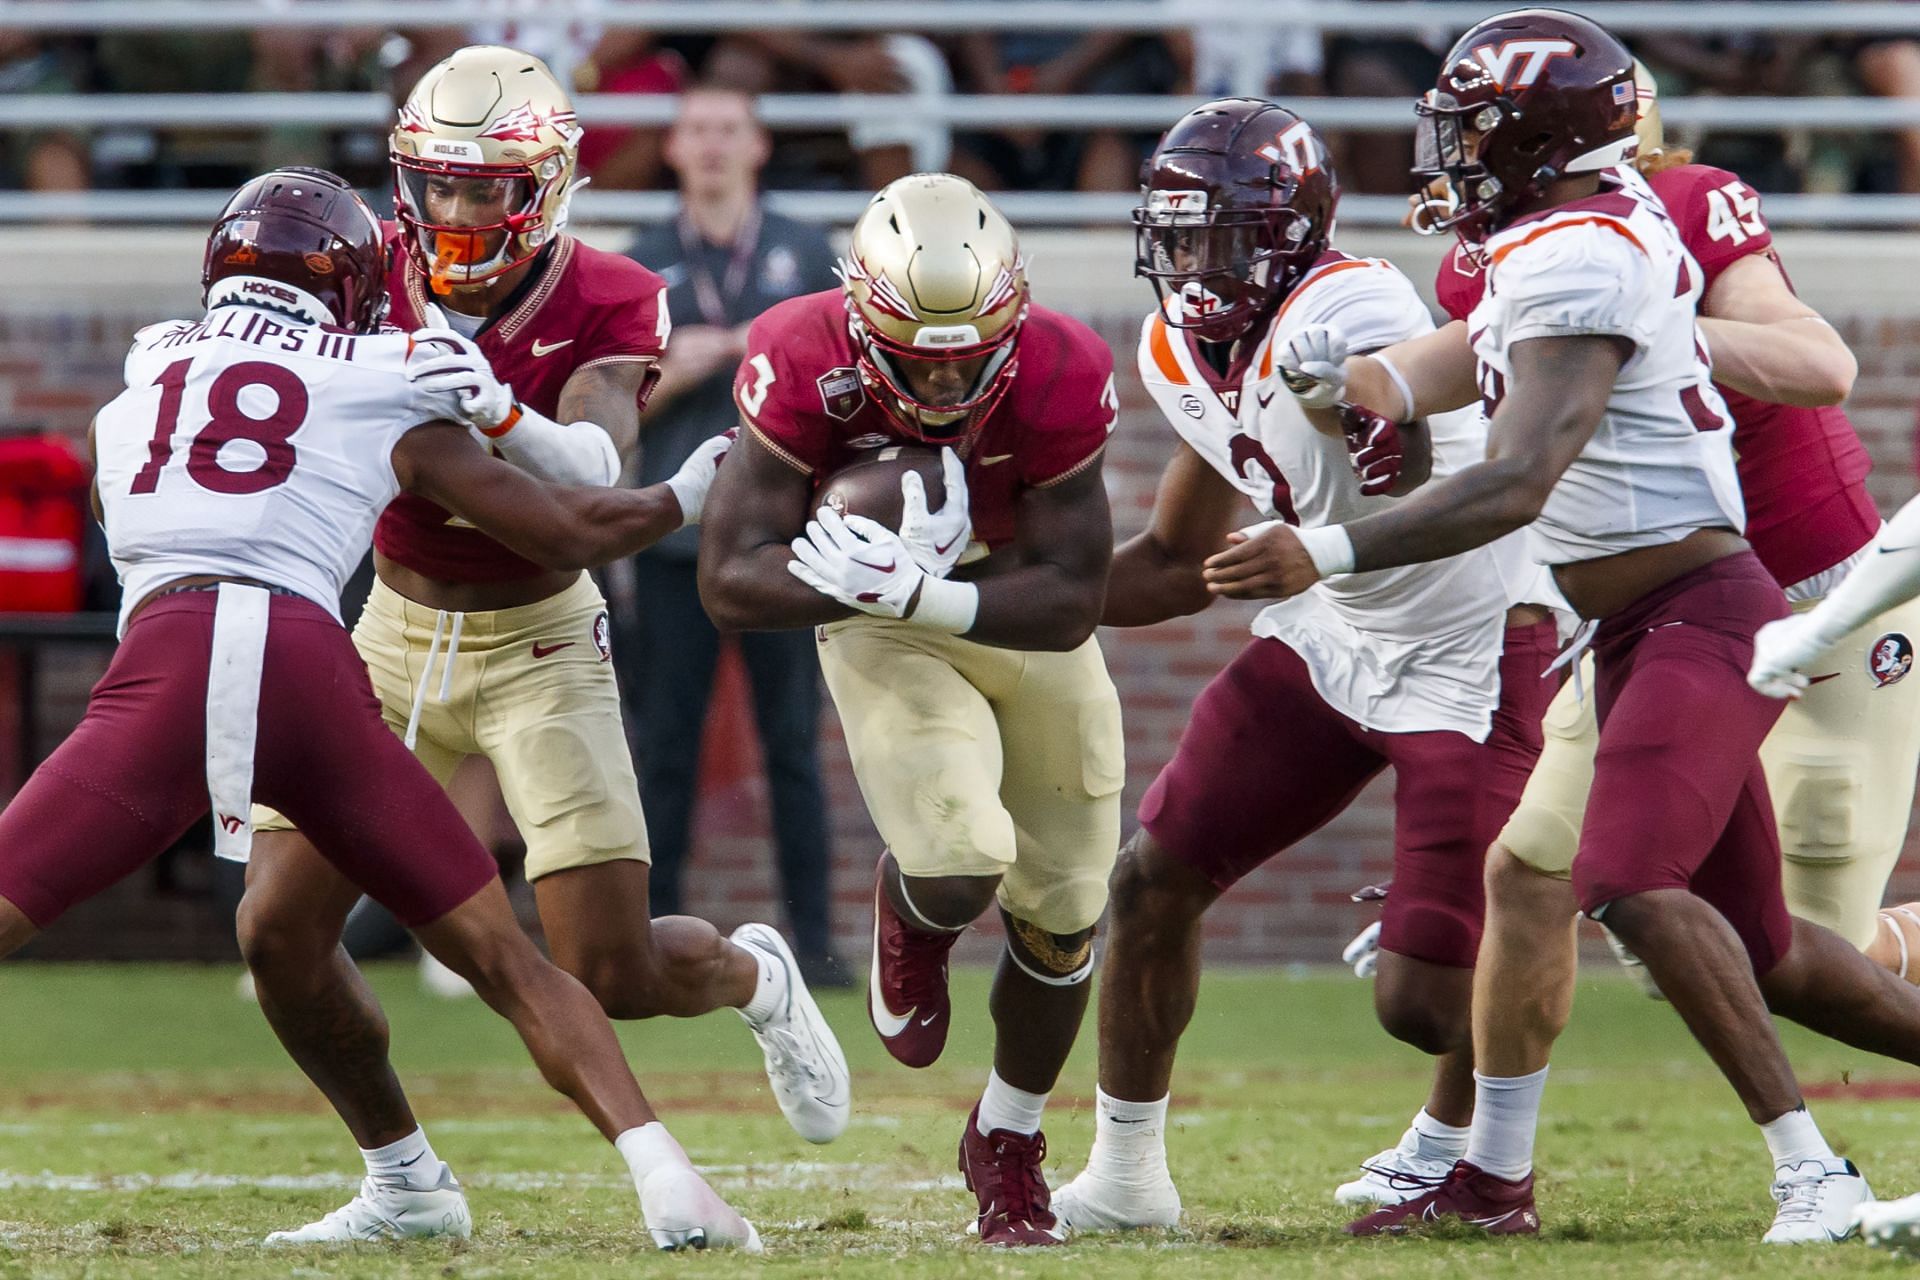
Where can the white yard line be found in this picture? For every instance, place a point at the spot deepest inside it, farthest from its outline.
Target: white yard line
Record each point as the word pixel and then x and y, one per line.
pixel 797 1175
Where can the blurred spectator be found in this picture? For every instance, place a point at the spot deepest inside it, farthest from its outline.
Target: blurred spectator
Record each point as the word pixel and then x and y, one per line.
pixel 1891 69
pixel 48 159
pixel 293 60
pixel 1046 62
pixel 1367 66
pixel 726 259
pixel 176 62
pixel 1226 61
pixel 620 156
pixel 886 146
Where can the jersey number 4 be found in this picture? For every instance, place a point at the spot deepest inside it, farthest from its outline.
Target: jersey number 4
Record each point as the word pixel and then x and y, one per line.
pixel 228 422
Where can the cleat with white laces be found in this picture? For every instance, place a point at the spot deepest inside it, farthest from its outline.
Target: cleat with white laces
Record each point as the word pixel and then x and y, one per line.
pixel 683 1212
pixel 805 1067
pixel 1817 1200
pixel 1094 1203
pixel 389 1209
pixel 1396 1175
pixel 1890 1224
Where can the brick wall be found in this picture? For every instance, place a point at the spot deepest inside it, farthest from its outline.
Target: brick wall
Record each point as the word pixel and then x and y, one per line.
pixel 56 369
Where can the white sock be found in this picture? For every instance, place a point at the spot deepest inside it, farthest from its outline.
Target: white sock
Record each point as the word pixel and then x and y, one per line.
pixel 410 1160
pixel 1004 1107
pixel 1795 1137
pixel 1439 1141
pixel 769 990
pixel 647 1148
pixel 1129 1140
pixel 1506 1111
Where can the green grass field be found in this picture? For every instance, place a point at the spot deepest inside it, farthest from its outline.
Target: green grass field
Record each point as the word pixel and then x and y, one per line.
pixel 150 1127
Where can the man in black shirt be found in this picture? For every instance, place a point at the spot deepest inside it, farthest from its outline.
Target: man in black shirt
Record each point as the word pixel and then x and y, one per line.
pixel 725 260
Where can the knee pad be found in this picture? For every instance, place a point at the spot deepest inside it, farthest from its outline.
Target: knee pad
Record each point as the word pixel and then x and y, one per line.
pixel 1818 807
pixel 1057 959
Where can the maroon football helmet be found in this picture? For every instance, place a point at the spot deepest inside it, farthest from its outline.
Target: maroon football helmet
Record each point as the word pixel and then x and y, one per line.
pixel 301 241
pixel 1524 99
pixel 1236 204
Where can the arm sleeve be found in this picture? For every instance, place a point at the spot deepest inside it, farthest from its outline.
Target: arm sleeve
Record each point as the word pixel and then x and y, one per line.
pixel 771 395
pixel 1081 409
pixel 1367 300
pixel 1578 279
pixel 1888 575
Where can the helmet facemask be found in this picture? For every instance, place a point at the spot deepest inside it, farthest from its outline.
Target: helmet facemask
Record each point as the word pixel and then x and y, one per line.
pixel 985 370
pixel 1216 273
pixel 469 223
pixel 1447 143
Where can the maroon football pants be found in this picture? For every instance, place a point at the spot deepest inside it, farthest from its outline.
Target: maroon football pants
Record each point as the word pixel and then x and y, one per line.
pixel 132 778
pixel 1264 762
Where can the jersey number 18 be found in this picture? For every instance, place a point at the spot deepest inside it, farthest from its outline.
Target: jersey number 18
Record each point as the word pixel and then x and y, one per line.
pixel 228 422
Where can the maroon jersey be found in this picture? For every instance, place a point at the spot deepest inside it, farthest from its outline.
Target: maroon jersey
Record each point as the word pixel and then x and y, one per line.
pixel 800 392
pixel 1802 471
pixel 583 307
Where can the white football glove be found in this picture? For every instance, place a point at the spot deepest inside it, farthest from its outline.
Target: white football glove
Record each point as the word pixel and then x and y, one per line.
pixel 936 539
pixel 695 476
pixel 1313 365
pixel 859 562
pixel 483 401
pixel 1363 953
pixel 1781 653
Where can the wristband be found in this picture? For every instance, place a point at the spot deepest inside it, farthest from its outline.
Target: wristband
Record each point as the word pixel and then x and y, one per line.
pixel 1399 384
pixel 946 605
pixel 506 424
pixel 1329 547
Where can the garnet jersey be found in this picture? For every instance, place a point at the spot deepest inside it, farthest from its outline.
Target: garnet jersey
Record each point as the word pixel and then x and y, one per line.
pixel 580 307
pixel 1362 634
pixel 252 445
pixel 1802 471
pixel 799 390
pixel 1660 463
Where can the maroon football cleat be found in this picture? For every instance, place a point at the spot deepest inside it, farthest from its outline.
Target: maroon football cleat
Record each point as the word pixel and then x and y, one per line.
pixel 1471 1194
pixel 907 987
pixel 1002 1170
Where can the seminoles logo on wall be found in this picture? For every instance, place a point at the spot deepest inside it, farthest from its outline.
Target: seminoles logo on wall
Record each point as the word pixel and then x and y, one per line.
pixel 1890 658
pixel 841 393
pixel 1516 64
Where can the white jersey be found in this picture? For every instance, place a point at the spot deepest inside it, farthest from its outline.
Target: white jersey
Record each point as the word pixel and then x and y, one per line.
pixel 251 445
pixel 1660 465
pixel 1408 649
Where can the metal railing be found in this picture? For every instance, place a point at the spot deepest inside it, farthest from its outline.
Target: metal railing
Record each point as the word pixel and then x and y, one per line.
pixel 944 16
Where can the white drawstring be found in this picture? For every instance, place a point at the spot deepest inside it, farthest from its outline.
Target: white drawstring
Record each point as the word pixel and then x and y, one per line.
pixel 453 651
pixel 426 673
pixel 1570 656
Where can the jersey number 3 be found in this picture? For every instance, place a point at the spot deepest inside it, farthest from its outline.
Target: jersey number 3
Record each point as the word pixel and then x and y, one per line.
pixel 228 422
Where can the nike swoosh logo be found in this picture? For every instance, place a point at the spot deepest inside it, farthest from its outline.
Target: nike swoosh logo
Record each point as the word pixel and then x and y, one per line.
pixel 548 348
pixel 877 568
pixel 542 650
pixel 1495 1220
pixel 941 548
pixel 1818 679
pixel 1264 400
pixel 408 1164
pixel 888 1023
pixel 995 460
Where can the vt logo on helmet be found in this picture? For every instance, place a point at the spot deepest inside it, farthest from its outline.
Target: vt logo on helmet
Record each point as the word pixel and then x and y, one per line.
pixel 483 164
pixel 1524 99
pixel 1236 204
pixel 936 294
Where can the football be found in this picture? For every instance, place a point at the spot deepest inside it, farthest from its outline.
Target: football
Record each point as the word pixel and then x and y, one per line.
pixel 870 485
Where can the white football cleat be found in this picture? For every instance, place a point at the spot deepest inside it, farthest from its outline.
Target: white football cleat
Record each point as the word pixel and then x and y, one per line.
pixel 1890 1224
pixel 1094 1203
pixel 1817 1201
pixel 805 1066
pixel 389 1209
pixel 683 1212
pixel 1396 1175
pixel 436 979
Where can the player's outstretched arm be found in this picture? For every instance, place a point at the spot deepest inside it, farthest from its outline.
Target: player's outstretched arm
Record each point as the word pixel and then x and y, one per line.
pixel 1766 343
pixel 1435 372
pixel 1156 573
pixel 555 526
pixel 1556 398
pixel 757 507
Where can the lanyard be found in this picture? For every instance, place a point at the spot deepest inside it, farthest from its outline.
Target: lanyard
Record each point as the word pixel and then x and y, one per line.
pixel 714 299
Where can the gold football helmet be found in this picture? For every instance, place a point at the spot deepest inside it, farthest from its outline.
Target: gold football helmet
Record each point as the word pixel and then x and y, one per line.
pixel 1648 129
pixel 483 162
pixel 936 296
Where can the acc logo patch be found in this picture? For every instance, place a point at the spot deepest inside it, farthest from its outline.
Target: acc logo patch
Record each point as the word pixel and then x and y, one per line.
pixel 841 394
pixel 602 637
pixel 1890 659
pixel 318 263
pixel 1191 406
